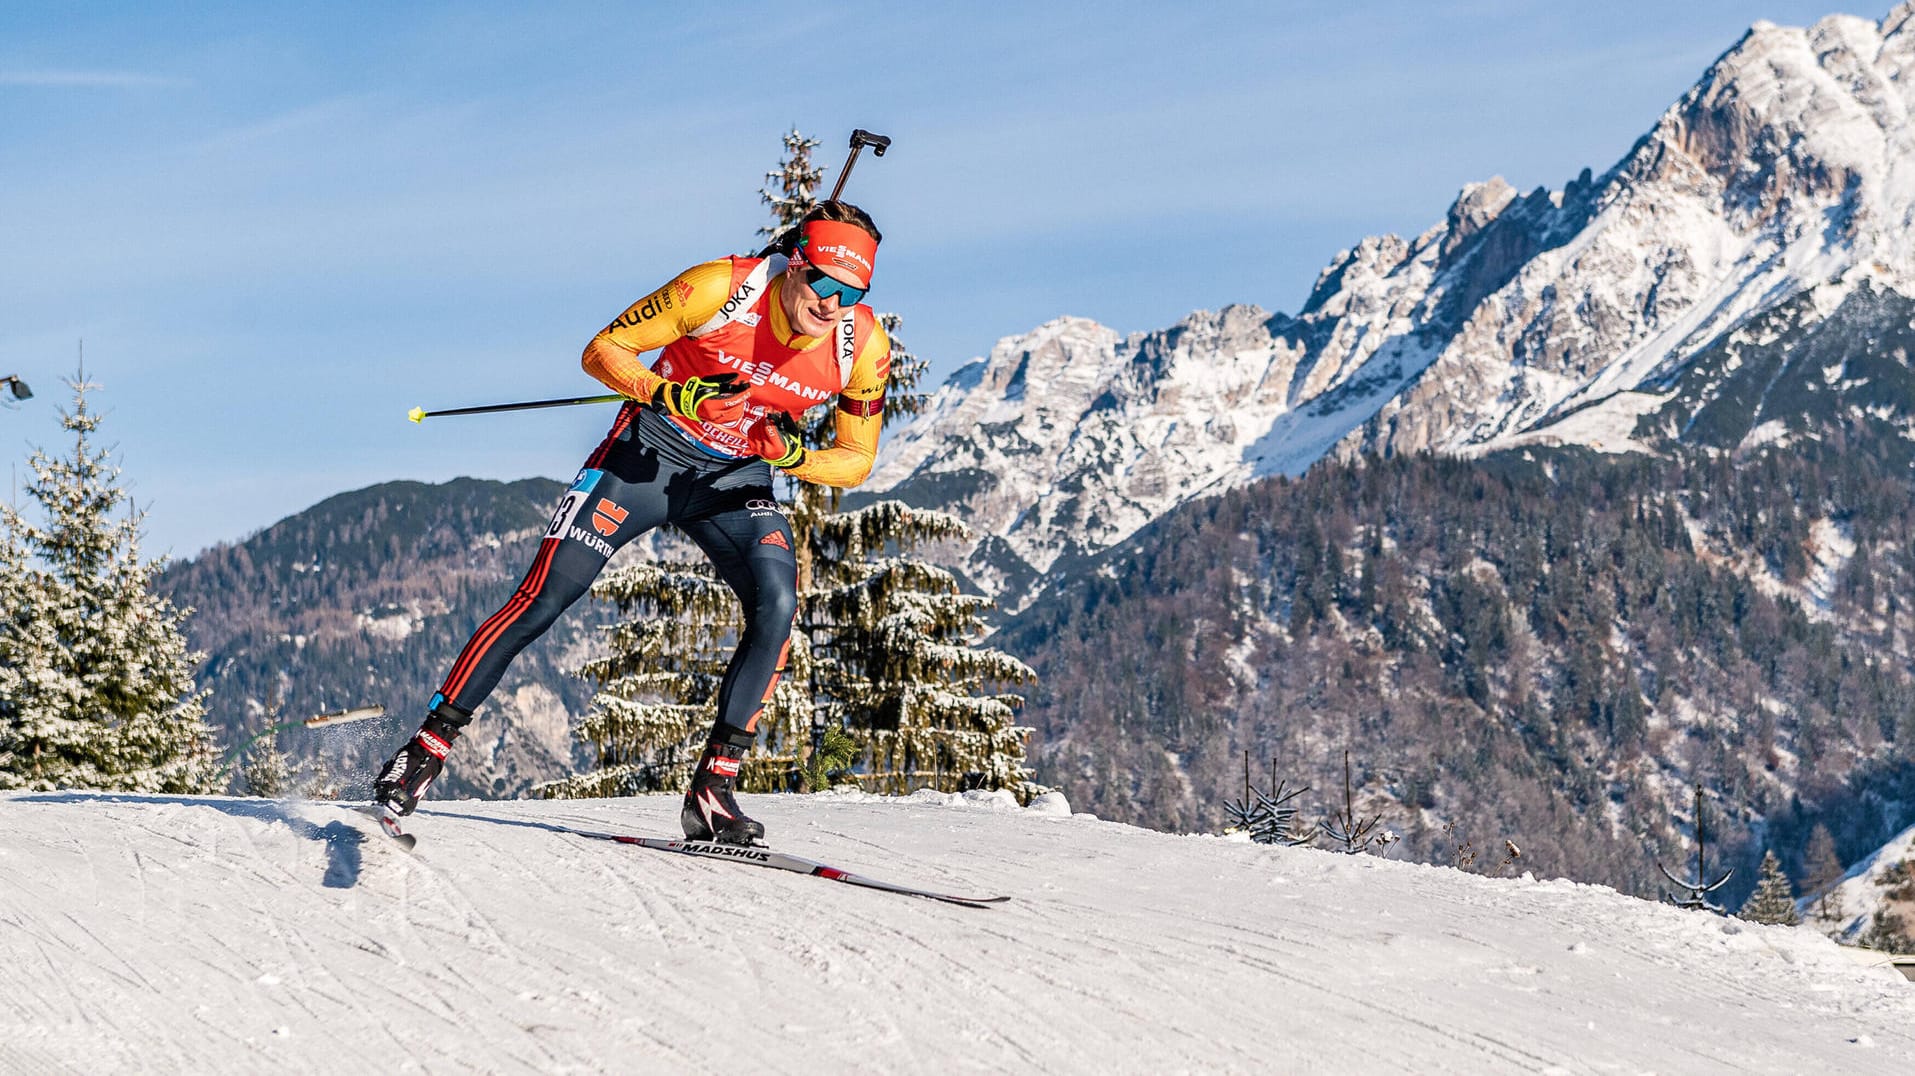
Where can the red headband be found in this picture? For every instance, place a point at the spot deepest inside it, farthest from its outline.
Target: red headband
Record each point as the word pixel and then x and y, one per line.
pixel 844 248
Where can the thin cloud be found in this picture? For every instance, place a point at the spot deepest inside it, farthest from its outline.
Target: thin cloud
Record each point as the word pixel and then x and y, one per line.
pixel 87 80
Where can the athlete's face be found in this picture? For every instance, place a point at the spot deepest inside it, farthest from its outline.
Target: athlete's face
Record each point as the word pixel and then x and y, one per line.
pixel 804 309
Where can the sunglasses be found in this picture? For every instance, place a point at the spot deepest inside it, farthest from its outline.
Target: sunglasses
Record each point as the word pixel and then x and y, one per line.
pixel 824 286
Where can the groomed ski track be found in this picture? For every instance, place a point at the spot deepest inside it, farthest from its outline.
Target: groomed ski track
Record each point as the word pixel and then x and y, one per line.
pixel 212 935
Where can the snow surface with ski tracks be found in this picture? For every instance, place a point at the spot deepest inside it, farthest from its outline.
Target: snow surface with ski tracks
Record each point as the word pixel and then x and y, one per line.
pixel 214 935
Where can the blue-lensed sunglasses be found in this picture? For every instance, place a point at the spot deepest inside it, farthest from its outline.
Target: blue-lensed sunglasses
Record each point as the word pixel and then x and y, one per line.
pixel 824 285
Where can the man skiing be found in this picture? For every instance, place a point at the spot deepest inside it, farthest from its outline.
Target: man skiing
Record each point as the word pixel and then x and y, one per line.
pixel 748 344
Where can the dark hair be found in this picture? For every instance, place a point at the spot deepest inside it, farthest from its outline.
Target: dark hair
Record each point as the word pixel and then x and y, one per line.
pixel 787 240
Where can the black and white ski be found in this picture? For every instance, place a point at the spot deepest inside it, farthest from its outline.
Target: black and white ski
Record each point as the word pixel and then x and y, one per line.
pixel 756 855
pixel 760 856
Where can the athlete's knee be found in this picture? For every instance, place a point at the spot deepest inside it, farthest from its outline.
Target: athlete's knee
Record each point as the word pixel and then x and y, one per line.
pixel 773 609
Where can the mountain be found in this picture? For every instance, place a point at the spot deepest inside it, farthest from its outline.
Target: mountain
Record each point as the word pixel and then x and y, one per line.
pixel 1553 650
pixel 290 937
pixel 1776 189
pixel 366 598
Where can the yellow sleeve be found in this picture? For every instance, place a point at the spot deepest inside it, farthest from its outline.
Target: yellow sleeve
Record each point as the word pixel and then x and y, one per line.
pixel 687 301
pixel 860 416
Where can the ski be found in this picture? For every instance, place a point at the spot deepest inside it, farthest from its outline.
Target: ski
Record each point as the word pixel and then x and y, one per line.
pixel 760 856
pixel 389 823
pixel 756 855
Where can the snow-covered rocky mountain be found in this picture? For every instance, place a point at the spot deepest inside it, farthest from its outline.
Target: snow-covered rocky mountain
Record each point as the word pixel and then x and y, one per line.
pixel 1784 180
pixel 214 935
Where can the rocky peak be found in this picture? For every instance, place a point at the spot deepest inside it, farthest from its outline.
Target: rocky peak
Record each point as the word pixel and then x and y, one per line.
pixel 1788 168
pixel 1474 208
pixel 1374 258
pixel 1791 116
pixel 1896 22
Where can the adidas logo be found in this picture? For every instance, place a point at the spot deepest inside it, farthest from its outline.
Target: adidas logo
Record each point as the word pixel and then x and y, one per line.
pixel 776 538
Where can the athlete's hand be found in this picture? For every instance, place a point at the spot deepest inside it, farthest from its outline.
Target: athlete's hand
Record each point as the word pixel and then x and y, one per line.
pixel 778 441
pixel 719 399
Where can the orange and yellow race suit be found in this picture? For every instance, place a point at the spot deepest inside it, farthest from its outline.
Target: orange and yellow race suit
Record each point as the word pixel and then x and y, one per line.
pixel 654 468
pixel 724 317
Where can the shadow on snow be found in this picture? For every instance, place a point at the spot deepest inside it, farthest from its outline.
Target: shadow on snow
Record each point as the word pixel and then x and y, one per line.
pixel 343 842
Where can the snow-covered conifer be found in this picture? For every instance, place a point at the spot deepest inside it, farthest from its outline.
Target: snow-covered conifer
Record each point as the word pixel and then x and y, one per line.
pixel 896 657
pixel 96 682
pixel 267 772
pixel 884 647
pixel 659 679
pixel 1774 898
pixel 791 191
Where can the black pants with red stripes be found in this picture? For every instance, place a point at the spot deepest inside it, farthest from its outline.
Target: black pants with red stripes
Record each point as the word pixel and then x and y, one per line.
pixel 646 474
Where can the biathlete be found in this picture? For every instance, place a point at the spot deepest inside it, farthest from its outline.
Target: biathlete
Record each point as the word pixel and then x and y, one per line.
pixel 747 344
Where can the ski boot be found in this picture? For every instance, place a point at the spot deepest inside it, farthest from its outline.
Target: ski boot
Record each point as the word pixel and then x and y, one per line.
pixel 399 786
pixel 710 812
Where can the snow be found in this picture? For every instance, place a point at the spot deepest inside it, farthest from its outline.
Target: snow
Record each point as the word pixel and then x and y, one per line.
pixel 1773 432
pixel 1831 547
pixel 393 627
pixel 218 935
pixel 1297 438
pixel 1864 890
pixel 1607 426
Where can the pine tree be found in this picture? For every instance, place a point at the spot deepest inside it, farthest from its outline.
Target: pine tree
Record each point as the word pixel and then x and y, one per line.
pixel 668 652
pixel 790 192
pixel 1268 816
pixel 1774 898
pixel 883 649
pixel 1822 868
pixel 677 622
pixel 96 682
pixel 268 771
pixel 831 759
pixel 895 659
pixel 18 646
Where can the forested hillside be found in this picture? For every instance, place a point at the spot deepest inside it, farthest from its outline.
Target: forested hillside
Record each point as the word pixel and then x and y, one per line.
pixel 366 598
pixel 1547 649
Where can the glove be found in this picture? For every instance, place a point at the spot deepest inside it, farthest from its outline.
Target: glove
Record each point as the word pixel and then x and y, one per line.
pixel 719 399
pixel 778 441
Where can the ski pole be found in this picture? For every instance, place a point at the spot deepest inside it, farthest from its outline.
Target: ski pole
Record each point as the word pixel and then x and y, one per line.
pixel 341 717
pixel 419 413
pixel 316 721
pixel 860 138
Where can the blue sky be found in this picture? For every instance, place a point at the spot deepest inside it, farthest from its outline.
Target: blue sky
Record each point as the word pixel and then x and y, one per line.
pixel 276 228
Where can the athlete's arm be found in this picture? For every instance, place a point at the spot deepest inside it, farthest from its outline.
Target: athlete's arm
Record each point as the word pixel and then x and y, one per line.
pixel 860 416
pixel 689 300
